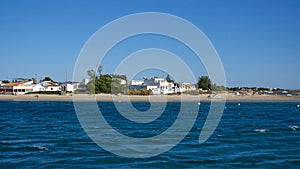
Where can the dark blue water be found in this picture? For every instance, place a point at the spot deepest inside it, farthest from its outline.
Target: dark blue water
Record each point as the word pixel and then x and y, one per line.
pixel 252 135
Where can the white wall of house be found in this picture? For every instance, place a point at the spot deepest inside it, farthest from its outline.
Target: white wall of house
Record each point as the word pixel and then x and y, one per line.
pixel 22 89
pixel 159 80
pixel 151 87
pixel 18 89
pixel 186 86
pixel 179 89
pixel 69 87
pixel 137 82
pixel 156 91
pixel 85 81
pixel 166 87
pixel 53 88
pixel 161 86
pixel 37 88
pixel 75 85
pixel 122 82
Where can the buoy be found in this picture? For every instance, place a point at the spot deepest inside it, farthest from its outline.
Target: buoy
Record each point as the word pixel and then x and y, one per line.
pixel 198 103
pixel 239 104
pixel 298 105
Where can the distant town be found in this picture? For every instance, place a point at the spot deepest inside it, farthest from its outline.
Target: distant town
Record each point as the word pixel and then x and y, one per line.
pixel 118 84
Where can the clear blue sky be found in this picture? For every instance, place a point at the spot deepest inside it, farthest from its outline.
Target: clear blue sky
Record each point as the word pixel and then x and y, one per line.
pixel 258 41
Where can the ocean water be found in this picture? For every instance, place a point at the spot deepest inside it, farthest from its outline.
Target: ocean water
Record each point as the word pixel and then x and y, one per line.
pixel 250 135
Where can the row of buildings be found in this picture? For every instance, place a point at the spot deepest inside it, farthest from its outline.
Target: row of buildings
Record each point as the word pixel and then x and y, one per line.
pixel 23 86
pixel 156 85
pixel 161 86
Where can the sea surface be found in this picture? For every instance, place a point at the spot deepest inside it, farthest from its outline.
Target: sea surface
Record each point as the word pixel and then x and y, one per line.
pixel 40 134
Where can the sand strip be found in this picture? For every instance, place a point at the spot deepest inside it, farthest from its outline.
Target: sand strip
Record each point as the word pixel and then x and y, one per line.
pixel 157 98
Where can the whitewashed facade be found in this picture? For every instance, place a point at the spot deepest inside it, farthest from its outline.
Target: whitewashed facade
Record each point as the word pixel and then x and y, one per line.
pixel 50 86
pixel 70 86
pixel 38 88
pixel 17 88
pixel 137 82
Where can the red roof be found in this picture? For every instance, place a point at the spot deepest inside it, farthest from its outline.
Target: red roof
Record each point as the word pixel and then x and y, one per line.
pixel 14 83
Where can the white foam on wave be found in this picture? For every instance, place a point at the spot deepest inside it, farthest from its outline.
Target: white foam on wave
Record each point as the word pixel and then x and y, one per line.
pixel 41 148
pixel 261 130
pixel 293 127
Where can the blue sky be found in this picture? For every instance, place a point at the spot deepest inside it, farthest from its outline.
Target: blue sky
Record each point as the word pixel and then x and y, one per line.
pixel 258 41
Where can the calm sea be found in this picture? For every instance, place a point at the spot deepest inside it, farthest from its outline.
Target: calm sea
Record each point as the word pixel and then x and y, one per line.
pixel 250 135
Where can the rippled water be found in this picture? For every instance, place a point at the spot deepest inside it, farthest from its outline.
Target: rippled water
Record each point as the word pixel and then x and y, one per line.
pixel 250 135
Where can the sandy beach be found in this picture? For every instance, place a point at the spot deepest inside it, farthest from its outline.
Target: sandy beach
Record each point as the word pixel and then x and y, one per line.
pixel 155 98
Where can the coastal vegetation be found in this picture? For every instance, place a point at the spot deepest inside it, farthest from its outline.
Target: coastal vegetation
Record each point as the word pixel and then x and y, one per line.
pixel 112 83
pixel 206 84
pixel 139 92
pixel 47 78
pixel 5 81
pixel 104 83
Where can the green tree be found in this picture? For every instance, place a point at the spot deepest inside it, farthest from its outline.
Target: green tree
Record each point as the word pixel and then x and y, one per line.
pixel 215 87
pixel 91 84
pixel 92 74
pixel 100 68
pixel 116 86
pixel 47 79
pixel 5 81
pixel 168 79
pixel 103 84
pixel 204 83
pixel 118 76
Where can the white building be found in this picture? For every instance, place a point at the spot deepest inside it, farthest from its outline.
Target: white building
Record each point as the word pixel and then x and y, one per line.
pixel 154 88
pixel 85 81
pixel 159 80
pixel 69 86
pixel 38 88
pixel 123 82
pixel 157 85
pixel 137 82
pixel 16 88
pixel 184 86
pixel 166 87
pixel 50 86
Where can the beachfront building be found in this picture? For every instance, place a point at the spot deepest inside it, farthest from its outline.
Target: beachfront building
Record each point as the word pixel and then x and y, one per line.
pixel 23 86
pixel 17 87
pixel 156 85
pixel 85 81
pixel 50 86
pixel 161 86
pixel 166 87
pixel 137 82
pixel 122 82
pixel 184 86
pixel 69 87
pixel 38 88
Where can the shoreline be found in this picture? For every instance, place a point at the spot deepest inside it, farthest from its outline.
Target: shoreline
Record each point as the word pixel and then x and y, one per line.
pixel 154 98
